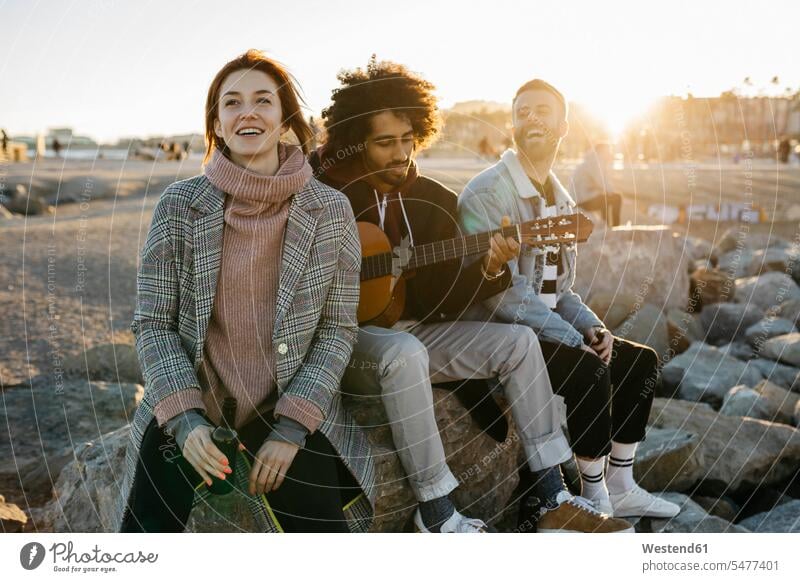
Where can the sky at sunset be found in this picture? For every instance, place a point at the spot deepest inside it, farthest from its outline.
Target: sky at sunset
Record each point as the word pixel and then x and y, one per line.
pixel 111 69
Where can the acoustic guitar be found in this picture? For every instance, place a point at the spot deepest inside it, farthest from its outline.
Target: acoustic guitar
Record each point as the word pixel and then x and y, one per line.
pixel 384 269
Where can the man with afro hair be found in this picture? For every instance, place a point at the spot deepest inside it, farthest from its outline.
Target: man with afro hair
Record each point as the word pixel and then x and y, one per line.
pixel 380 118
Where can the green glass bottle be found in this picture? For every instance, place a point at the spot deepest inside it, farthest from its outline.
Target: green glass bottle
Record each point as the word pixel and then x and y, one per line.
pixel 226 440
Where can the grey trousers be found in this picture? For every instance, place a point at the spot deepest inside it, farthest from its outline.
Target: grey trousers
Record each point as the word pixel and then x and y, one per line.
pixel 399 366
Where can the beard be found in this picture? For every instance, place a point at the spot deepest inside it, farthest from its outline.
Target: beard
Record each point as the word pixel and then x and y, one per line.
pixel 537 149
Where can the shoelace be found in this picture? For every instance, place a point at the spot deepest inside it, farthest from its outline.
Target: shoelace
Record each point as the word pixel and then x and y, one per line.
pixel 585 504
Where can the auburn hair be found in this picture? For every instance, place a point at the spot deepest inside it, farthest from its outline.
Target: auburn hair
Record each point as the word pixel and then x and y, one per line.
pixel 291 110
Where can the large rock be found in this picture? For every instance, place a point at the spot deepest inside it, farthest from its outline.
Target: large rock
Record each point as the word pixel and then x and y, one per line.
pixel 645 262
pixel 784 518
pixel 21 202
pixel 772 259
pixel 692 519
pixel 738 350
pixel 726 322
pixel 108 362
pixel 647 326
pixel 737 454
pixel 683 328
pixel 613 308
pixel 735 263
pixel 785 376
pixel 46 423
pixel 766 401
pixel 742 237
pixel 665 460
pixel 767 328
pixel 790 310
pixel 709 286
pixel 767 290
pixel 487 471
pixel 704 373
pixel 785 348
pixel 87 488
pixel 723 507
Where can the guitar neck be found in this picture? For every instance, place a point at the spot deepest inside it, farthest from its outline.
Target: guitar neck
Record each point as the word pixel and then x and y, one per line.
pixel 435 252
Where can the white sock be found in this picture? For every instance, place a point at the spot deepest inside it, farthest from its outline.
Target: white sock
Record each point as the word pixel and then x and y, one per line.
pixel 593 486
pixel 620 468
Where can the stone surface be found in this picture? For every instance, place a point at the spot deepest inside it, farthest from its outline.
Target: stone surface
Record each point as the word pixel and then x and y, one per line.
pixel 784 348
pixel 645 262
pixel 726 322
pixel 771 259
pixel 709 286
pixel 612 308
pixel 790 310
pixel 108 362
pixel 704 373
pixel 46 423
pixel 487 472
pixel 745 401
pixel 12 518
pixel 736 263
pixel 646 326
pixel 665 460
pixel 767 290
pixel 692 519
pixel 683 328
pixel 741 237
pixel 767 328
pixel 738 350
pixel 737 454
pixel 784 518
pixel 723 507
pixel 780 374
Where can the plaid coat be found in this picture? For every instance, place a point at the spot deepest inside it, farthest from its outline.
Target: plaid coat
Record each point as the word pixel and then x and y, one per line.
pixel 315 325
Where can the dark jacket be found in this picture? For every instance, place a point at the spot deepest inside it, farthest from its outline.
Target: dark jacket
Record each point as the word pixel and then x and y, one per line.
pixel 440 292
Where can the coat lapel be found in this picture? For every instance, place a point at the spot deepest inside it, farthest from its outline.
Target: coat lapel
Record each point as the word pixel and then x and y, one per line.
pixel 207 233
pixel 297 239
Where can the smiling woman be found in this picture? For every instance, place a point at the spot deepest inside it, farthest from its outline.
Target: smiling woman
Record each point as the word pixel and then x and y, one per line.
pixel 268 318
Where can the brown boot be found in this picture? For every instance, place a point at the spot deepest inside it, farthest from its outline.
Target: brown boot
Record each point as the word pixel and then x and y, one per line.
pixel 578 515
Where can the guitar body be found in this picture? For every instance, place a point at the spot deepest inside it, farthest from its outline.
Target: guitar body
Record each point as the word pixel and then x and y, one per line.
pixel 382 299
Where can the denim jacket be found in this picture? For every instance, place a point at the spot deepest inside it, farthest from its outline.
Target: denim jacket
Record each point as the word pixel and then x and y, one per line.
pixel 486 198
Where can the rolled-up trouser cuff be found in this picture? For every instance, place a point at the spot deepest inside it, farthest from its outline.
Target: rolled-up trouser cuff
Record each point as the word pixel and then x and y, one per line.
pixel 434 488
pixel 547 451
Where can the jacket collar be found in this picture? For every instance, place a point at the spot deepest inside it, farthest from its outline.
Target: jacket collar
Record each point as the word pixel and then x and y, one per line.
pixel 524 186
pixel 209 198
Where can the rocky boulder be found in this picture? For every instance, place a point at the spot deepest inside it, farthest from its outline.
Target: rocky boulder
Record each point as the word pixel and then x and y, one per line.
pixel 767 290
pixel 704 373
pixel 108 362
pixel 784 518
pixel 727 322
pixel 644 262
pixel 736 454
pixel 692 519
pixel 785 348
pixel 665 460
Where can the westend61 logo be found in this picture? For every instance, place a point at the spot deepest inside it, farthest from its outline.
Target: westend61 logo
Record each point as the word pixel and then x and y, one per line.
pixel 65 559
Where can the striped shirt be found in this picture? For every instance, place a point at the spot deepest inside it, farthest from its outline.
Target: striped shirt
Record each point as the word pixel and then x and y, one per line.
pixel 553 266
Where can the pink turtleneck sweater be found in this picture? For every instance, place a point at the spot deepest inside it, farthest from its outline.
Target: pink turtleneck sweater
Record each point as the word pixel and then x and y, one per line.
pixel 237 355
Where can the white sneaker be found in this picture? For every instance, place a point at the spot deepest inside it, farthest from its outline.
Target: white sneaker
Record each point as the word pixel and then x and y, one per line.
pixel 603 506
pixel 639 503
pixel 456 523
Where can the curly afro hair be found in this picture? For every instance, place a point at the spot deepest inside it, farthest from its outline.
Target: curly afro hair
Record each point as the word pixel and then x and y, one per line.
pixel 383 86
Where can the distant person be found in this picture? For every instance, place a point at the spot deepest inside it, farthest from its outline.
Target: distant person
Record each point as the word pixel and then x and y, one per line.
pixel 784 149
pixel 187 147
pixel 592 184
pixel 4 140
pixel 485 149
pixel 56 147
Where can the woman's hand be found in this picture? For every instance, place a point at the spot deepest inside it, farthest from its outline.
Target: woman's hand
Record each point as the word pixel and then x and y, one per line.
pixel 270 466
pixel 602 342
pixel 203 454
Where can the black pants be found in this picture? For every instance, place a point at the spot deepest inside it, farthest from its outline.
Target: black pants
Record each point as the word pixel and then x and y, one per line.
pixel 603 402
pixel 609 205
pixel 310 499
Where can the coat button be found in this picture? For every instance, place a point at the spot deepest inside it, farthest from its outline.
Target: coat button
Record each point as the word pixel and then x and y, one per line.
pixel 282 349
